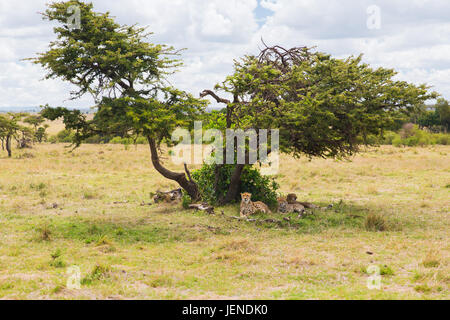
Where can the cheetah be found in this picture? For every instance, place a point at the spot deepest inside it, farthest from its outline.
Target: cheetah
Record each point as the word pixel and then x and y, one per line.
pixel 285 207
pixel 292 199
pixel 168 197
pixel 248 207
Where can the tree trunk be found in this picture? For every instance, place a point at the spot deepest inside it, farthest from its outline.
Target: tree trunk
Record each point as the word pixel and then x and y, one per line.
pixel 235 185
pixel 8 146
pixel 186 183
pixel 218 182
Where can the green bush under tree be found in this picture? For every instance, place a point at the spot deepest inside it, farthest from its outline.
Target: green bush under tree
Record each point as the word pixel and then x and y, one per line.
pixel 263 188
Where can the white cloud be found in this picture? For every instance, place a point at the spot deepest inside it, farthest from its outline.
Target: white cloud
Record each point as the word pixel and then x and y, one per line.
pixel 413 38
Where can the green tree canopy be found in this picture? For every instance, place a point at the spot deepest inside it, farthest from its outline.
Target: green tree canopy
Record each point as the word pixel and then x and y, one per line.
pixel 125 74
pixel 10 128
pixel 322 105
pixel 443 111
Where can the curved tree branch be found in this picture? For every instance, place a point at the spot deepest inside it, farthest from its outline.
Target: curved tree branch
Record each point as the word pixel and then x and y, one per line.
pixel 188 185
pixel 215 96
pixel 188 173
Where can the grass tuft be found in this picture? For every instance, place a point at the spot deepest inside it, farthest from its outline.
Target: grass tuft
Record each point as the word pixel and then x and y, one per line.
pixel 375 222
pixel 98 273
pixel 423 288
pixel 431 260
pixel 44 233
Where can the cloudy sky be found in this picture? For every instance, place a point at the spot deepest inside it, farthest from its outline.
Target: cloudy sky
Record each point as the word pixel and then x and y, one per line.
pixel 412 36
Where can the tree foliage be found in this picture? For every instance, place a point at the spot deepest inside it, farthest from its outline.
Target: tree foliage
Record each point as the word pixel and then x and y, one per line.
pixel 11 128
pixel 262 188
pixel 435 117
pixel 125 74
pixel 322 105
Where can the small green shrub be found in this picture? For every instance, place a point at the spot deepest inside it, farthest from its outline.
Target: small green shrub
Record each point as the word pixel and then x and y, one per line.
pixel 65 136
pixel 58 263
pixel 262 188
pixel 56 254
pixel 39 186
pixel 442 138
pixel 412 136
pixel 186 201
pixel 385 270
pixel 389 138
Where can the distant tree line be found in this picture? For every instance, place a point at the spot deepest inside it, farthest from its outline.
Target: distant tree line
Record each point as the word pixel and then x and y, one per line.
pixel 435 118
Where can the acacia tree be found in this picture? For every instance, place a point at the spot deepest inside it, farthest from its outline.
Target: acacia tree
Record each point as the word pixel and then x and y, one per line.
pixel 324 107
pixel 10 129
pixel 127 77
pixel 36 121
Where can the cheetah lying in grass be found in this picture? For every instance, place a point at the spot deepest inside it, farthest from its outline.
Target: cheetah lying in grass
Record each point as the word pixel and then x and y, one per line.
pixel 248 207
pixel 285 207
pixel 168 197
pixel 290 205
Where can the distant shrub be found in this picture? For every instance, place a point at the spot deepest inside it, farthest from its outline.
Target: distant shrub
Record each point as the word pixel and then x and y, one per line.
pixel 39 186
pixel 57 263
pixel 397 141
pixel 442 138
pixel 128 141
pixel 57 260
pixel 385 270
pixel 65 136
pixel 413 136
pixel 97 140
pixel 410 136
pixel 389 137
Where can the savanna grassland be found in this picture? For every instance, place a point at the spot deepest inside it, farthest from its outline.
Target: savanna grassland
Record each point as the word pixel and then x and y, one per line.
pixel 90 208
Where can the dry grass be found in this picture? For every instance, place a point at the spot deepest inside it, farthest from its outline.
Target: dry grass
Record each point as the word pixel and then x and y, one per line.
pixel 86 205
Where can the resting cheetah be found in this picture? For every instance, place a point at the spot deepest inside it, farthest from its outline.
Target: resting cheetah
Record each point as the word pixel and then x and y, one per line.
pixel 292 199
pixel 285 207
pixel 170 196
pixel 248 207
